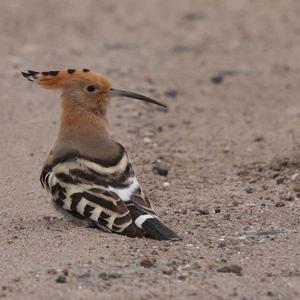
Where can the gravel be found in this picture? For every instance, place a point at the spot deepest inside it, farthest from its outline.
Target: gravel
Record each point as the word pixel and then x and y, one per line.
pixel 280 180
pixel 236 269
pixel 160 169
pixel 249 190
pixel 61 278
pixel 259 137
pixel 200 212
pixel 109 275
pixel 279 204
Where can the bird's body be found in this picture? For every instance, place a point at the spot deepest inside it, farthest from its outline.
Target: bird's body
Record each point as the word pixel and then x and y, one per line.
pixel 89 175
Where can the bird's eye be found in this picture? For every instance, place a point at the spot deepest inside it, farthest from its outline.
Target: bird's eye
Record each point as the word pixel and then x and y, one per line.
pixel 90 88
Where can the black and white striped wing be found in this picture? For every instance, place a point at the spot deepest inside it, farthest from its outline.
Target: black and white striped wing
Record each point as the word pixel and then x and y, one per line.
pixel 107 196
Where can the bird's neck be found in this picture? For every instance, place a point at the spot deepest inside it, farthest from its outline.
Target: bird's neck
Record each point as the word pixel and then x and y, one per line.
pixel 80 121
pixel 85 133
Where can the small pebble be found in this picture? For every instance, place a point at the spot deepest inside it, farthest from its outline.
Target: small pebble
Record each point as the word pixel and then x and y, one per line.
pixel 171 93
pixel 217 79
pixel 279 204
pixel 280 180
pixel 160 169
pixel 265 187
pixel 249 190
pixel 251 181
pixel 235 203
pixel 295 176
pixel 182 277
pixel 296 188
pixel 109 275
pixel 147 140
pixel 259 137
pixel 200 212
pixel 227 216
pixel 236 269
pixel 167 270
pixel 259 168
pixel 221 243
pixel 217 210
pixel 61 279
pixel 194 16
pixel 147 263
pixel 166 184
pixel 227 149
pixel 289 196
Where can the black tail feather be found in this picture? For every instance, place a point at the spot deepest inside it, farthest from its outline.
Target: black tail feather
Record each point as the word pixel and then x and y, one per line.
pixel 155 229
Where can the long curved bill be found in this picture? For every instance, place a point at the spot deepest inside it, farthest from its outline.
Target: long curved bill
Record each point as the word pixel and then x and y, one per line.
pixel 114 92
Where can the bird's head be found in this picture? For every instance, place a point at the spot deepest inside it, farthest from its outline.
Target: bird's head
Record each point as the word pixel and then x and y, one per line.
pixel 83 88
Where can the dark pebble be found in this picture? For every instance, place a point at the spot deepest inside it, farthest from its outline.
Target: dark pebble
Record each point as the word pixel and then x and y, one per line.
pixel 61 279
pixel 182 277
pixel 235 203
pixel 259 137
pixel 217 79
pixel 268 232
pixel 221 243
pixel 280 179
pixel 147 263
pixel 249 190
pixel 243 171
pixel 167 270
pixel 236 269
pixel 289 196
pixel 200 212
pixel 65 272
pixel 227 216
pixel 109 275
pixel 194 16
pixel 171 93
pixel 259 168
pixel 217 210
pixel 160 169
pixel 279 204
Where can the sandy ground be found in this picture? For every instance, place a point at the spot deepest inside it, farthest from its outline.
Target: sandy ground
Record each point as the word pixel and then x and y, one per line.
pixel 229 139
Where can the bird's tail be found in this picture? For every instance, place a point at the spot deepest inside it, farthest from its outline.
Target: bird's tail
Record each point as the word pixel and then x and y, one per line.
pixel 155 229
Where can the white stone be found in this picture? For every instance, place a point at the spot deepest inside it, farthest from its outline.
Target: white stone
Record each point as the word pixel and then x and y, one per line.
pixel 295 176
pixel 166 184
pixel 147 140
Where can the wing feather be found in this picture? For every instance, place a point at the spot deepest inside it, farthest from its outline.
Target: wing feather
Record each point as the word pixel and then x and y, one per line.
pixel 110 197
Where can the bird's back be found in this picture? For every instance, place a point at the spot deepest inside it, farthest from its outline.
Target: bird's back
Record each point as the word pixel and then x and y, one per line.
pixel 96 183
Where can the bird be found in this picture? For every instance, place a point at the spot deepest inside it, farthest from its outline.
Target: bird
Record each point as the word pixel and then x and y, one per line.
pixel 89 175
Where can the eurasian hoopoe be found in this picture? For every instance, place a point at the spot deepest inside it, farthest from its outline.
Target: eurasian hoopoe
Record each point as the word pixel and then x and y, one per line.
pixel 88 174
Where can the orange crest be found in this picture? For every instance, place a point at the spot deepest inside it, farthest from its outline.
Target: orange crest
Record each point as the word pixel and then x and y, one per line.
pixel 64 78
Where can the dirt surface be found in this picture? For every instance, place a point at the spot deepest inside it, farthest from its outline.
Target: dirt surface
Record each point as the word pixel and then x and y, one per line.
pixel 229 72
